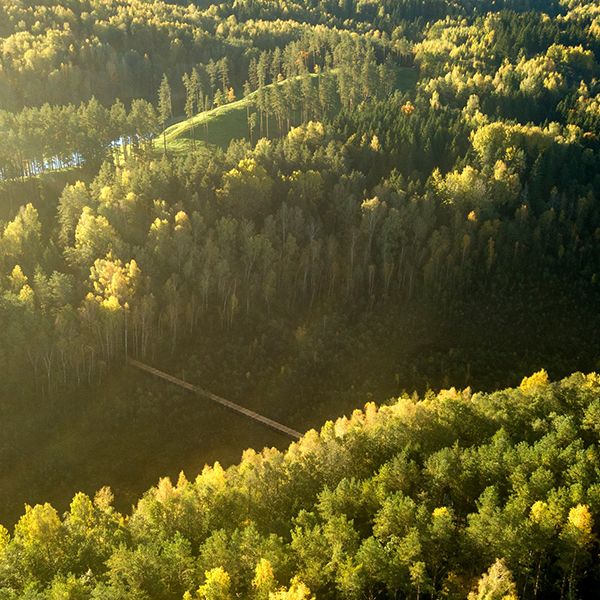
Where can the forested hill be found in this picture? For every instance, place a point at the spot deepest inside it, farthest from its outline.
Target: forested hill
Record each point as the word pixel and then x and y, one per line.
pixel 487 495
pixel 480 179
pixel 300 206
pixel 70 50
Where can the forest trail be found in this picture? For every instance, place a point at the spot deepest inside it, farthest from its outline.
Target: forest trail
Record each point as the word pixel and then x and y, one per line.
pixel 206 394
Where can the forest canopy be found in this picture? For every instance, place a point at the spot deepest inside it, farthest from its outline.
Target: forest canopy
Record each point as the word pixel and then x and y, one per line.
pixel 300 205
pixel 485 495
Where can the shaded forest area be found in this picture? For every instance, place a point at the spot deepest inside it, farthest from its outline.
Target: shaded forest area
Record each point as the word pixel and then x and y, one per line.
pixel 407 200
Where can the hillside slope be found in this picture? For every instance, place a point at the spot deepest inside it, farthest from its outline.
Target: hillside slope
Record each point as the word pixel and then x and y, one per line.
pixel 219 126
pixel 422 496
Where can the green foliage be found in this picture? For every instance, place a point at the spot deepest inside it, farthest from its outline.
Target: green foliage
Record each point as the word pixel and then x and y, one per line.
pixel 392 168
pixel 518 504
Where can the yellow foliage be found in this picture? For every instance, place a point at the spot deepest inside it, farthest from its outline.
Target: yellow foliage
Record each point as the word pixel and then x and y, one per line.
pixel 165 490
pixel 539 512
pixel 111 304
pixel 106 195
pixel 217 585
pixel 592 380
pixel 264 579
pixel 313 132
pixel 534 382
pixel 371 411
pixel 342 426
pixel 182 481
pixel 114 283
pixel 182 221
pixel 214 476
pixel 17 279
pixel 371 205
pixel 26 295
pixel 375 144
pixel 467 187
pixel 581 519
pixel 297 591
pixel 40 523
pixel 441 512
pixel 4 538
pixel 125 177
pixel 496 584
pixel 449 394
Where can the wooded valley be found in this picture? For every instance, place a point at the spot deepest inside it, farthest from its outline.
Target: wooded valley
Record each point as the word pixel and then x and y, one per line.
pixel 301 207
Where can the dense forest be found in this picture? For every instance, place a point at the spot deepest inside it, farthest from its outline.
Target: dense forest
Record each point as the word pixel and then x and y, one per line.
pixel 485 495
pixel 301 206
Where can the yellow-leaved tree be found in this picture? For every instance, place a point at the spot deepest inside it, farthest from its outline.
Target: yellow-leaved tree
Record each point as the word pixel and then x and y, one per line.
pixel 534 382
pixel 495 584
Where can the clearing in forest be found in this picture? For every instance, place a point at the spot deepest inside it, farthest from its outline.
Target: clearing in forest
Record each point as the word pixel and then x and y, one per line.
pixel 219 126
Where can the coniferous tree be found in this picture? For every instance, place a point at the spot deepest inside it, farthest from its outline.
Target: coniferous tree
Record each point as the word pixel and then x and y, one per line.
pixel 190 83
pixel 165 107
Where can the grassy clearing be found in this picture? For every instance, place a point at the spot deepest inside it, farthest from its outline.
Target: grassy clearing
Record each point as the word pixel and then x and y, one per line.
pixel 217 127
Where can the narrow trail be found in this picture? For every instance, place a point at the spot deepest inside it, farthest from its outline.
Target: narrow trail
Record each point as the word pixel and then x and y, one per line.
pixel 222 401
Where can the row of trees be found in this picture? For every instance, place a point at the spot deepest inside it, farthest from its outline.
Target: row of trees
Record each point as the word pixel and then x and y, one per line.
pixel 67 54
pixel 54 137
pixel 295 86
pixel 284 227
pixel 413 195
pixel 61 54
pixel 57 54
pixel 485 495
pixel 50 137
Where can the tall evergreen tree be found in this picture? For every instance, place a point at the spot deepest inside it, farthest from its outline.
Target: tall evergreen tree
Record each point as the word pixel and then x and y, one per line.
pixel 165 106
